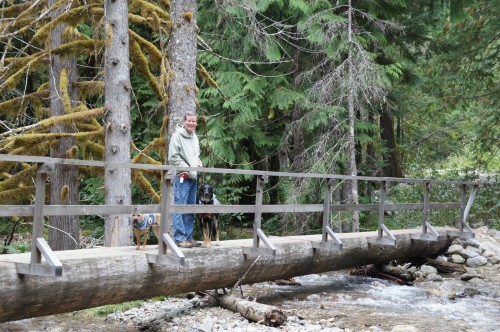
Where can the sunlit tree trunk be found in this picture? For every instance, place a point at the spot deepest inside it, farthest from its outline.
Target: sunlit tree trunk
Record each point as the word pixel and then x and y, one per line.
pixel 352 118
pixel 182 49
pixel 117 180
pixel 64 233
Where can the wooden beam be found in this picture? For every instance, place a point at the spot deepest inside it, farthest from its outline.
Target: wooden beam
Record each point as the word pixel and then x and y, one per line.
pixel 92 210
pixel 92 163
pixel 100 276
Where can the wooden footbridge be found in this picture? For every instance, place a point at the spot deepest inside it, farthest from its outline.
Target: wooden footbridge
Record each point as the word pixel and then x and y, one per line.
pixel 45 282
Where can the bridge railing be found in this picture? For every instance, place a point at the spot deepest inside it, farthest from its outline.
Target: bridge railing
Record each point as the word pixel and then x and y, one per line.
pixel 170 254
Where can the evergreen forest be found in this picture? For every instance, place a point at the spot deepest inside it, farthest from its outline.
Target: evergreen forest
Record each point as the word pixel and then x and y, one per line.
pixel 385 88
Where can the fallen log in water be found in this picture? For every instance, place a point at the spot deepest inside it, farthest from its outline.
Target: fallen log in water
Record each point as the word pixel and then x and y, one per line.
pixel 96 277
pixel 252 310
pixel 385 271
pixel 445 267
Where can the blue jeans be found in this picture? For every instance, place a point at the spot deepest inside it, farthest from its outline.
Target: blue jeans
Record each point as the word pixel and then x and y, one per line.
pixel 183 224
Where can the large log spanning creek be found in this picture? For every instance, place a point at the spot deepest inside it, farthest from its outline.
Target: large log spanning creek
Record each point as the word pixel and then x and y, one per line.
pixel 100 276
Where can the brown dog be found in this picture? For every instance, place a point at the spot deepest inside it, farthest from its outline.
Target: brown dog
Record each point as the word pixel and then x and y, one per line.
pixel 209 222
pixel 141 223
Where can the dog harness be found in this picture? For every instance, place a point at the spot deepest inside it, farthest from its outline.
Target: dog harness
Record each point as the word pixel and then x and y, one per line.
pixel 213 201
pixel 147 221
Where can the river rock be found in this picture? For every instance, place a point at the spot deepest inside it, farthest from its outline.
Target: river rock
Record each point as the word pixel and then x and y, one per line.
pixel 426 270
pixel 441 259
pixel 493 259
pixel 457 259
pixel 490 247
pixel 495 234
pixel 469 276
pixel 476 261
pixel 334 329
pixel 455 249
pixel 434 277
pixel 472 242
pixel 404 328
pixel 476 249
pixel 468 253
pixel 476 281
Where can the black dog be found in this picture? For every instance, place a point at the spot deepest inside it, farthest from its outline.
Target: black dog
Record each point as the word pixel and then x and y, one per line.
pixel 209 222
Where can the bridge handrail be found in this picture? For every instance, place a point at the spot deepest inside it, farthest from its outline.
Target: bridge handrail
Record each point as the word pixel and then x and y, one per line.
pixel 166 208
pixel 95 163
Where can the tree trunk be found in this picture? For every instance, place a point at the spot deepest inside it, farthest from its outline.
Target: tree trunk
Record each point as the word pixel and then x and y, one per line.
pixel 64 233
pixel 182 48
pixel 446 267
pixel 182 51
pixel 100 276
pixel 251 310
pixel 398 272
pixel 352 118
pixel 117 180
pixel 297 142
pixel 388 272
pixel 392 159
pixel 371 165
pixel 346 194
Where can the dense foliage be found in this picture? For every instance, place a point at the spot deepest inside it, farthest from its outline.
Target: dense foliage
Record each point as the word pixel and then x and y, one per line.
pixel 273 96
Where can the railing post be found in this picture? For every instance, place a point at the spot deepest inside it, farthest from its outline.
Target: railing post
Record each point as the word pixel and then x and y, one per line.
pixel 166 242
pixel 463 202
pixel 326 209
pixel 381 209
pixel 38 219
pixel 427 187
pixel 39 246
pixel 464 213
pixel 259 195
pixel 258 234
pixel 426 224
pixel 326 230
pixel 380 239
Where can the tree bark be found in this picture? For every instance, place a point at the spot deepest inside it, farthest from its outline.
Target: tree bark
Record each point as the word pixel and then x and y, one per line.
pixel 392 158
pixel 298 162
pixel 100 276
pixel 446 267
pixel 351 138
pixel 251 310
pixel 117 180
pixel 64 233
pixel 398 272
pixel 182 48
pixel 384 271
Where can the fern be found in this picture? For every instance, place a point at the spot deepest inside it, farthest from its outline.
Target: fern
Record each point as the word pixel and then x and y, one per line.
pixel 395 70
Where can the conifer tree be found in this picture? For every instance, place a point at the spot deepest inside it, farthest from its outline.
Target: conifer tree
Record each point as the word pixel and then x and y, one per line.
pixel 117 180
pixel 348 75
pixel 64 232
pixel 182 49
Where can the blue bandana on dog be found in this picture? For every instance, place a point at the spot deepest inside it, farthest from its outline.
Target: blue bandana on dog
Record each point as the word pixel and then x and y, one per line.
pixel 147 221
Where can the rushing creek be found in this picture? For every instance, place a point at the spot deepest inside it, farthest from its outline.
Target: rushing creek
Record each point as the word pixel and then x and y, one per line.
pixel 356 303
pixel 362 302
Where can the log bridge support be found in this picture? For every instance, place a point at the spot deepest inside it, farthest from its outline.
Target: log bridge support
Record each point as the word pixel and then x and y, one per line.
pixel 100 276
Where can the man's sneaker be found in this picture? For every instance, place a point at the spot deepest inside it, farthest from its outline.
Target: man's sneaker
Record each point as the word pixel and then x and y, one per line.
pixel 184 244
pixel 195 243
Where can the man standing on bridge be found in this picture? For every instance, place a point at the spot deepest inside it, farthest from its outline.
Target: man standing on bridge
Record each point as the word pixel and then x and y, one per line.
pixel 184 151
